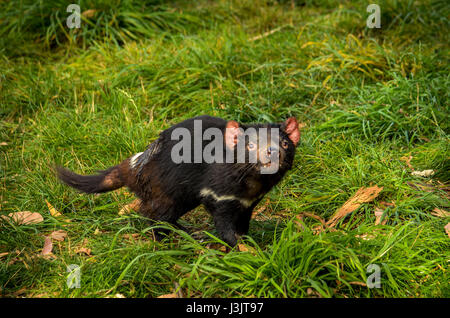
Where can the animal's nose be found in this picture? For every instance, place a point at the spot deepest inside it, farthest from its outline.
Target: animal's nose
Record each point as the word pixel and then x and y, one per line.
pixel 272 151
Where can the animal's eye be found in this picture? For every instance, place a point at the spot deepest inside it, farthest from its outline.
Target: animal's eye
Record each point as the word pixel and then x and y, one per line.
pixel 251 146
pixel 285 144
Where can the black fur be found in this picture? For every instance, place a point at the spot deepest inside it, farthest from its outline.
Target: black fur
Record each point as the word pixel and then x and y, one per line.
pixel 168 190
pixel 87 184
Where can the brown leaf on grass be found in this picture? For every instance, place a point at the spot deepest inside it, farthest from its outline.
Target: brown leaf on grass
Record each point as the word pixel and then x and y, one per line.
pixel 43 295
pixel 262 208
pixel 316 229
pixel 89 13
pixel 316 217
pixel 58 235
pixel 133 236
pixel 48 246
pixel 216 246
pixel 24 217
pixel 407 160
pixel 67 222
pixel 245 248
pixel 441 213
pixel 52 210
pixel 173 295
pixel 378 214
pixel 3 254
pixel 363 195
pixel 313 293
pixel 19 292
pixel 358 284
pixel 386 204
pixel 3 143
pixel 447 229
pixel 133 206
pixel 83 250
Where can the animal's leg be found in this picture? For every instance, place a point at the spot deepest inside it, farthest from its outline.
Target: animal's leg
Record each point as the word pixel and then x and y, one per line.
pixel 242 222
pixel 225 218
pixel 162 213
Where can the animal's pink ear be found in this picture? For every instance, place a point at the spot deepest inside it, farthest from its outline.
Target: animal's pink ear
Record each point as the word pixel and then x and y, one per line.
pixel 290 126
pixel 232 132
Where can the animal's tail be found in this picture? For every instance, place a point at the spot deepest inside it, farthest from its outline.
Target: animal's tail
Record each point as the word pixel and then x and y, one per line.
pixel 106 180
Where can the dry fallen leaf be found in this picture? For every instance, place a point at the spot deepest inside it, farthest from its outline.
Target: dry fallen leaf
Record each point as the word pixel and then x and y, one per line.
pixel 216 246
pixel 132 236
pixel 378 214
pixel 173 295
pixel 258 213
pixel 384 203
pixel 447 229
pixel 89 13
pixel 20 292
pixel 52 210
pixel 242 248
pixel 313 293
pixel 3 254
pixel 246 248
pixel 3 143
pixel 441 213
pixel 133 206
pixel 424 173
pixel 58 235
pixel 363 195
pixel 48 246
pixel 312 215
pixel 83 250
pixel 358 284
pixel 24 217
pixel 407 160
pixel 317 229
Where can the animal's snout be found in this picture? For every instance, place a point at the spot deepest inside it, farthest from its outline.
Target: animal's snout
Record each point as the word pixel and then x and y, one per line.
pixel 271 154
pixel 272 151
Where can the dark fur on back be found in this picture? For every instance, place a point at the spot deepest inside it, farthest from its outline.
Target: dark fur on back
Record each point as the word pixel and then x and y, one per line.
pixel 167 190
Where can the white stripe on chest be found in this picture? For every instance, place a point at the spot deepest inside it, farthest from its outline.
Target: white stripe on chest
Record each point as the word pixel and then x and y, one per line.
pixel 205 192
pixel 133 159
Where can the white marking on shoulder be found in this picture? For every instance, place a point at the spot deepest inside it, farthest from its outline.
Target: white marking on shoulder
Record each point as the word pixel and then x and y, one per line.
pixel 208 192
pixel 133 159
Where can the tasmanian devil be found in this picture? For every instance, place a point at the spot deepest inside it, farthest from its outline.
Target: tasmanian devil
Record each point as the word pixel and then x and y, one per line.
pixel 226 166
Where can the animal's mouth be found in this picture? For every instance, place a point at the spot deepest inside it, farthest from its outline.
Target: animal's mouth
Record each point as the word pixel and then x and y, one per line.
pixel 269 164
pixel 269 167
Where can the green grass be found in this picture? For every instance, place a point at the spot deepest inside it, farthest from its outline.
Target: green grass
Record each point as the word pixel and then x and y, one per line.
pixel 91 97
